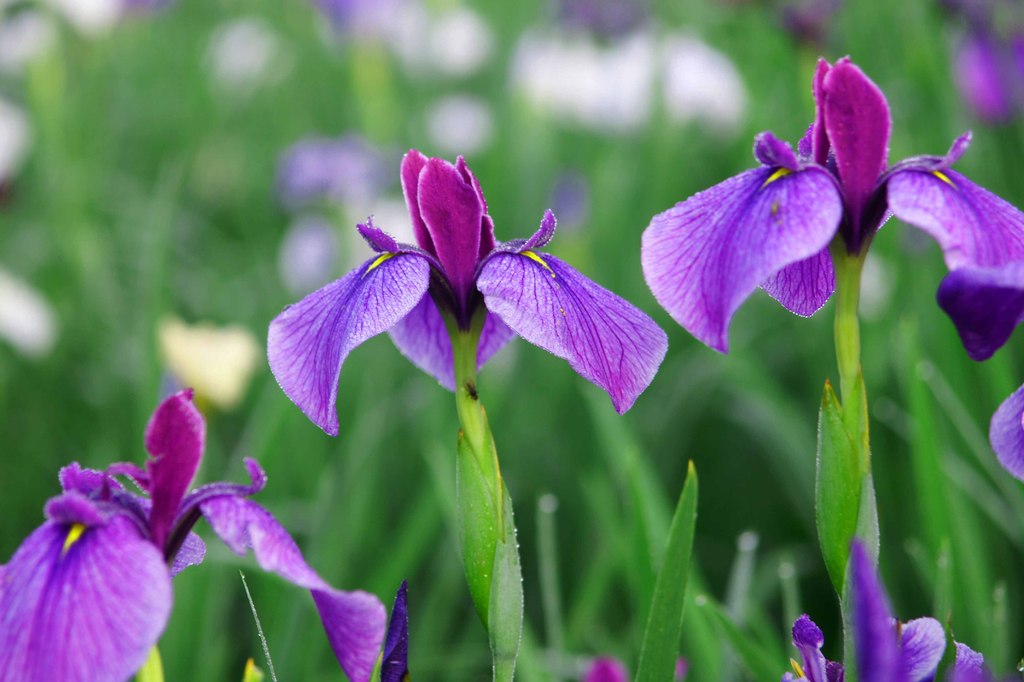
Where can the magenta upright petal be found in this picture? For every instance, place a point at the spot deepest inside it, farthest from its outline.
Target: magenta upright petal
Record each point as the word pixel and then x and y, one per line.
pixel 1006 433
pixel 354 621
pixel 309 341
pixel 874 630
pixel 985 304
pixel 486 224
pixel 605 338
pixel 412 165
pixel 818 134
pixel 704 257
pixel 922 643
pixel 858 123
pixel 82 610
pixel 175 438
pixel 422 337
pixel 606 669
pixel 453 213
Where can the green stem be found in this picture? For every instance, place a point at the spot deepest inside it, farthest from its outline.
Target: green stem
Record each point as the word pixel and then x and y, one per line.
pixel 848 269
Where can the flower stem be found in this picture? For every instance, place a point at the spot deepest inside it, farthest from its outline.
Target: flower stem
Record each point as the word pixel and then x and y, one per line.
pixel 848 269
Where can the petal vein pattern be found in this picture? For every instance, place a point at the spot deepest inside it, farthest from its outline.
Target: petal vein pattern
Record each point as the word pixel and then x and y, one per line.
pixel 606 340
pixel 706 255
pixel 309 341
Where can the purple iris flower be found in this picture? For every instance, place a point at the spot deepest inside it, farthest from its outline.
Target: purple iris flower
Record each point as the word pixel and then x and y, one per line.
pixel 345 169
pixel 459 276
pixel 885 649
pixel 772 226
pixel 87 595
pixel 986 75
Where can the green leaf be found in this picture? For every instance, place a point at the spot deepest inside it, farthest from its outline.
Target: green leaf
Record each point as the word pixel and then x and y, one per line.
pixel 478 526
pixel 505 626
pixel 252 673
pixel 838 488
pixel 153 669
pixel 665 619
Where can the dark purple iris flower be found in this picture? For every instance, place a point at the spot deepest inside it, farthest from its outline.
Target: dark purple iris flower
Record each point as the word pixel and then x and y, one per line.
pixel 88 593
pixel 457 277
pixel 885 649
pixel 772 226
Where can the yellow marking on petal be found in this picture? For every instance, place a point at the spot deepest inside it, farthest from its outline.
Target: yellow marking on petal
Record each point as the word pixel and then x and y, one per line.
pixel 945 178
pixel 73 536
pixel 780 173
pixel 380 259
pixel 533 256
pixel 796 668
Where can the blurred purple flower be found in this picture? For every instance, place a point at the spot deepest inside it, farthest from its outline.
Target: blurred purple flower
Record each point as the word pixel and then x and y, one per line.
pixel 608 669
pixel 807 20
pixel 885 650
pixel 570 199
pixel 394 665
pixel 457 274
pixel 359 18
pixel 308 255
pixel 987 76
pixel 344 169
pixel 607 18
pixel 88 593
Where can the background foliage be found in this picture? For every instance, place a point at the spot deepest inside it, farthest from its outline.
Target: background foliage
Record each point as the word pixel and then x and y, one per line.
pixel 149 190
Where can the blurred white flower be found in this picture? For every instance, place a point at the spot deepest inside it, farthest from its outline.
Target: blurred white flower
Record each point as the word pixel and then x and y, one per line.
pixel 572 77
pixel 456 43
pixel 246 53
pixel 90 17
pixel 23 36
pixel 15 135
pixel 702 85
pixel 27 321
pixel 308 258
pixel 876 287
pixel 460 124
pixel 215 361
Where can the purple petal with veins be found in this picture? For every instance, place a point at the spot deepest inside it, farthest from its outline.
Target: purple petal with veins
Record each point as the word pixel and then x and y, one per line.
pixel 354 621
pixel 1006 433
pixel 85 608
pixel 922 642
pixel 805 286
pixel 606 339
pixel 704 257
pixel 309 341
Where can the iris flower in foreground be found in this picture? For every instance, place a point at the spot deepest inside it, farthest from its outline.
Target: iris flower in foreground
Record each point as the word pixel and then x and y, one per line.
pixel 88 593
pixel 449 283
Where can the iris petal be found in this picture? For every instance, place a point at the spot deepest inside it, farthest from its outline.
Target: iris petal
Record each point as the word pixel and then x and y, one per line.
pixel 309 341
pixel 805 286
pixel 985 304
pixel 1006 433
pixel 874 633
pixel 354 621
pixel 808 638
pixel 175 438
pixel 606 339
pixel 706 255
pixel 921 646
pixel 394 666
pixel 88 612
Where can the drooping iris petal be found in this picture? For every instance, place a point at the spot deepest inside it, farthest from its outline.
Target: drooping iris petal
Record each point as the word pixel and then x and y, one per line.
pixel 394 665
pixel 606 669
pixel 175 438
pixel 309 341
pixel 922 643
pixel 858 123
pixel 354 621
pixel 87 613
pixel 606 339
pixel 1006 433
pixel 985 304
pixel 972 226
pixel 808 638
pixel 452 211
pixel 422 337
pixel 805 286
pixel 706 255
pixel 874 633
pixel 412 164
pixel 191 553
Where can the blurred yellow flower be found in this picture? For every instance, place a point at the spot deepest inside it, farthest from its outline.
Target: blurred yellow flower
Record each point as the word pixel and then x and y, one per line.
pixel 216 362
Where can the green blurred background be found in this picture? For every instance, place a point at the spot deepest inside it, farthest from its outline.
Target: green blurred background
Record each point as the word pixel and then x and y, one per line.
pixel 149 189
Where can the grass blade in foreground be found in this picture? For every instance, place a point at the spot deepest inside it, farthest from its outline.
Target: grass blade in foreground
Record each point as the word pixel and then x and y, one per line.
pixel 665 619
